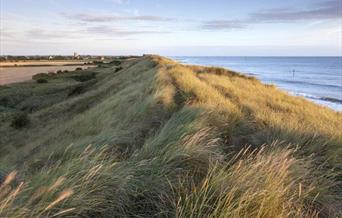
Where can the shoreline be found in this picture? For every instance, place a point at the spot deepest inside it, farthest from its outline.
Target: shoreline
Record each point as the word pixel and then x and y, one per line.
pixel 323 99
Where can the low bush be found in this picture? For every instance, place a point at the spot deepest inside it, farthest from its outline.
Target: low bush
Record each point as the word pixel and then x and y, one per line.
pixel 118 69
pixel 84 77
pixel 5 101
pixel 98 62
pixel 20 120
pixel 40 75
pixel 42 80
pixel 116 62
pixel 79 68
pixel 76 91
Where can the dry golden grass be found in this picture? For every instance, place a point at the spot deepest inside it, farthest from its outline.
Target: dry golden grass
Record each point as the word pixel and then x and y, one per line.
pixel 253 184
pixel 262 109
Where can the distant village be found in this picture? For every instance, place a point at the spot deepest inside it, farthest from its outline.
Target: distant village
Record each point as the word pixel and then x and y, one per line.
pixel 75 56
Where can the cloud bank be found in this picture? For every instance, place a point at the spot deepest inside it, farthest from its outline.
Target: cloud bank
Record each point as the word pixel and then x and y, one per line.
pixel 89 17
pixel 321 11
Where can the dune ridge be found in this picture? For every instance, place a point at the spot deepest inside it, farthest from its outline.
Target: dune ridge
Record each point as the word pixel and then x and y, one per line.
pixel 149 137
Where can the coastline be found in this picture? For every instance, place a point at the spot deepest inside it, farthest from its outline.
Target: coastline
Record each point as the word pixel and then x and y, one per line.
pixel 270 70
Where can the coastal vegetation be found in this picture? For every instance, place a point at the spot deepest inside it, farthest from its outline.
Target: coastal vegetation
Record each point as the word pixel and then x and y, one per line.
pixel 149 137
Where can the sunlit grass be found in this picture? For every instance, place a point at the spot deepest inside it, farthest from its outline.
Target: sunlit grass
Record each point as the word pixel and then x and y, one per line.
pixel 253 184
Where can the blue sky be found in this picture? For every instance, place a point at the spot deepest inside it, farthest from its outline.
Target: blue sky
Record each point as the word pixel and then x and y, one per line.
pixel 172 27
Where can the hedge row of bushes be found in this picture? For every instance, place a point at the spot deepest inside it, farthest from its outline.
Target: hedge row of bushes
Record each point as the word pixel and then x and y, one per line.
pixel 80 77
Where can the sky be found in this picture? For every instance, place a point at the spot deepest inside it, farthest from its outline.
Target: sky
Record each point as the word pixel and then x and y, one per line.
pixel 172 27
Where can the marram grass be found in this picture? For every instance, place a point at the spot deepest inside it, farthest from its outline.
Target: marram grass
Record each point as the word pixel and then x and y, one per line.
pixel 167 140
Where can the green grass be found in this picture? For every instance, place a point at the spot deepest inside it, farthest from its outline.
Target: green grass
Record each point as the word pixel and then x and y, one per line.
pixel 167 140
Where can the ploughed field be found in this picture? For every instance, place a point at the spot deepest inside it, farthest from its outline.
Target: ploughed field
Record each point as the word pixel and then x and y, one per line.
pixel 22 63
pixel 19 74
pixel 149 137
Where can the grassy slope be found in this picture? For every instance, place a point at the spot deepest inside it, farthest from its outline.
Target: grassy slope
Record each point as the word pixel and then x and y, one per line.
pixel 167 140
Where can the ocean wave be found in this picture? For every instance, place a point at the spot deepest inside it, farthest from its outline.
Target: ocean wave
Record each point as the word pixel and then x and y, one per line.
pixel 313 97
pixel 309 83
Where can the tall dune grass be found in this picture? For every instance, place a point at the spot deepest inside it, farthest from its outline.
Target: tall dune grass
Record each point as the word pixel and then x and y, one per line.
pixel 257 183
pixel 170 140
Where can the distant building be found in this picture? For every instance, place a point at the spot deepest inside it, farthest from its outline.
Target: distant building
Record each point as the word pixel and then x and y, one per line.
pixel 76 56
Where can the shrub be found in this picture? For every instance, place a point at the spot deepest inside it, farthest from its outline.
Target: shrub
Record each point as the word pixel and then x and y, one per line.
pixel 40 75
pixel 118 69
pixel 84 77
pixel 77 90
pixel 79 68
pixel 20 120
pixel 115 62
pixel 5 101
pixel 42 80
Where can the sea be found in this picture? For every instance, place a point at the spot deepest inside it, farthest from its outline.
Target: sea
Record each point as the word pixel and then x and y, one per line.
pixel 318 79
